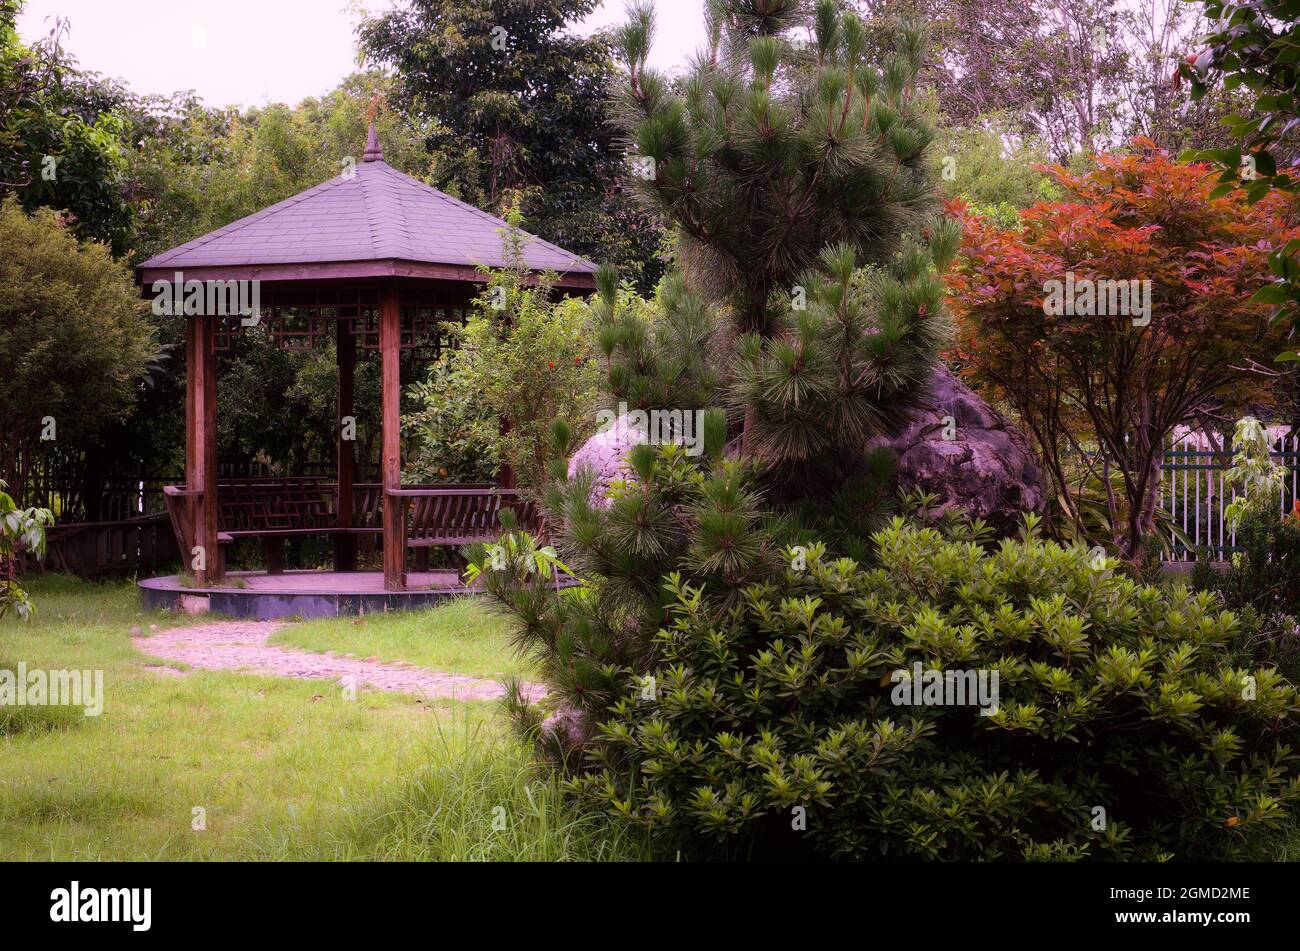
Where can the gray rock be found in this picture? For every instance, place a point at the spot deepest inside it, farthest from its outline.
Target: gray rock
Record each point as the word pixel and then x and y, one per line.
pixel 566 727
pixel 604 455
pixel 988 468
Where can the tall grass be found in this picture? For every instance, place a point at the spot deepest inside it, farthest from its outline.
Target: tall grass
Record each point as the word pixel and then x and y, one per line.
pixel 477 797
pixel 284 769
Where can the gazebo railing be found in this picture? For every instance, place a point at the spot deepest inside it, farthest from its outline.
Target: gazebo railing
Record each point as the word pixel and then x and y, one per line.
pixel 278 507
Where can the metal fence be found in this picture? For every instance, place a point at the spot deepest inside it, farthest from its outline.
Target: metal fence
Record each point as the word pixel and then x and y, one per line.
pixel 1193 492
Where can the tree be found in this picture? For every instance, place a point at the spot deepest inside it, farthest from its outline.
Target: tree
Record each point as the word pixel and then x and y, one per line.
pixel 60 135
pixel 807 307
pixel 788 159
pixel 1123 311
pixel 280 406
pixel 1156 103
pixel 1077 75
pixel 519 106
pixel 1054 66
pixel 1253 47
pixel 73 339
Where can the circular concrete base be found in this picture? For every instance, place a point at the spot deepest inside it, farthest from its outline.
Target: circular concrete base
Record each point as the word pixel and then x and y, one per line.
pixel 303 594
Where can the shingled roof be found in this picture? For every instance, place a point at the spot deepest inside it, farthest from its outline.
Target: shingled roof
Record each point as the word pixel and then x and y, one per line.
pixel 371 222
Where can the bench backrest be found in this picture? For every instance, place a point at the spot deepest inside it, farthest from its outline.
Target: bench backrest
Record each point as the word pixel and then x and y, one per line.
pixel 440 514
pixel 459 516
pixel 291 502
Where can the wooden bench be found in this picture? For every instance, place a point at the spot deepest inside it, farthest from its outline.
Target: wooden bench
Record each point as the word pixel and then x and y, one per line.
pixel 274 509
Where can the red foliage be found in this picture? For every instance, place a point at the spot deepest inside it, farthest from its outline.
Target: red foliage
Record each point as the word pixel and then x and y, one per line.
pixel 1110 380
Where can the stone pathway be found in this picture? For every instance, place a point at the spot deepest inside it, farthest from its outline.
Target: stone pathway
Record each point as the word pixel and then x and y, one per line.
pixel 242 646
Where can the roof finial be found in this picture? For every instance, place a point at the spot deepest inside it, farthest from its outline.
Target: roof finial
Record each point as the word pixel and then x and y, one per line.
pixel 373 153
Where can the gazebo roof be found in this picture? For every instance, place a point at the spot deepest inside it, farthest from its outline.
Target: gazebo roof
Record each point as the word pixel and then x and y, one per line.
pixel 373 221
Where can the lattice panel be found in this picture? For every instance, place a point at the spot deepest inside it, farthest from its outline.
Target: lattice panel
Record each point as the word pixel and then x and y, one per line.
pixel 423 328
pixel 299 320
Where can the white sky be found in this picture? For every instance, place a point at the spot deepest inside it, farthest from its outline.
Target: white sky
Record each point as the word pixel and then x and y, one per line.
pixel 252 52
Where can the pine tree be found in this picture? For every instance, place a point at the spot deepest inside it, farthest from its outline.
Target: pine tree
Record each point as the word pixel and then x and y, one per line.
pixel 794 170
pixel 806 308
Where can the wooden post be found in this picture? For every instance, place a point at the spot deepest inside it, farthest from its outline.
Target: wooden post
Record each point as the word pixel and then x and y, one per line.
pixel 193 475
pixel 345 544
pixel 273 546
pixel 390 330
pixel 216 557
pixel 201 450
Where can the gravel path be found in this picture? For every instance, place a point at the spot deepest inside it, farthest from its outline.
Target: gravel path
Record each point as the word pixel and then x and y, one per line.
pixel 242 645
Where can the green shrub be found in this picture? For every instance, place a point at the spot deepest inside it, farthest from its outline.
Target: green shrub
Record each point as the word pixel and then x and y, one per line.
pixel 1262 579
pixel 454 435
pixel 21 530
pixel 524 360
pixel 1113 696
pixel 1262 584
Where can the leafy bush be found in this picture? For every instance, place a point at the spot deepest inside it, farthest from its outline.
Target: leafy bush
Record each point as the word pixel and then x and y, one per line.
pixel 995 172
pixel 454 435
pixel 1096 371
pixel 1266 572
pixel 525 360
pixel 1113 696
pixel 21 530
pixel 758 680
pixel 1262 580
pixel 73 338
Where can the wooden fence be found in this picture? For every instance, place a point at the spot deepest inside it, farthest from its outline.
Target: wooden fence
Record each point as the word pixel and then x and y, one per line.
pixel 93 549
pixel 115 522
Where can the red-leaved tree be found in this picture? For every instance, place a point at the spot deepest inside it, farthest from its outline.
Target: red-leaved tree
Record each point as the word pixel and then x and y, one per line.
pixel 1110 318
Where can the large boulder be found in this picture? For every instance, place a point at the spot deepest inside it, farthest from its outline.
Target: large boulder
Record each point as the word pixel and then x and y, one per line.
pixel 970 456
pixel 955 446
pixel 604 456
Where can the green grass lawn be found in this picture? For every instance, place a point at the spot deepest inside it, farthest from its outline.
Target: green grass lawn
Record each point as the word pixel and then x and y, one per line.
pixel 283 769
pixel 460 637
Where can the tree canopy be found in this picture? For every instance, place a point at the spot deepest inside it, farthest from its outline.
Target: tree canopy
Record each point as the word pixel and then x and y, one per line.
pixel 61 136
pixel 73 338
pixel 516 102
pixel 1091 370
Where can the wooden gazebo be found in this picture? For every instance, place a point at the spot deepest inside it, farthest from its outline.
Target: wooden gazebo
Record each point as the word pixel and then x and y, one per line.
pixel 373 259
